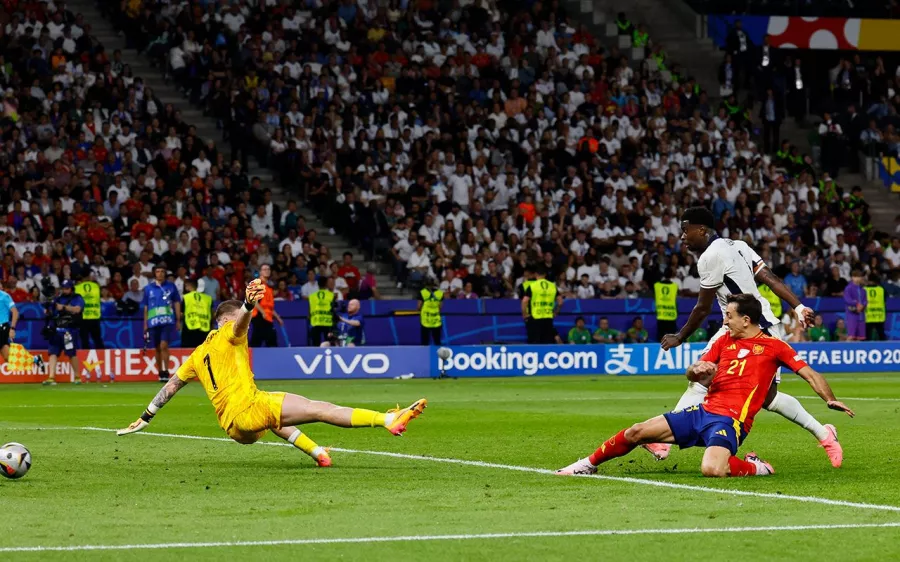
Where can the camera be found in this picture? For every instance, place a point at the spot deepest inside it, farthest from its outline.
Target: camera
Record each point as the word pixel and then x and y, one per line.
pixel 48 291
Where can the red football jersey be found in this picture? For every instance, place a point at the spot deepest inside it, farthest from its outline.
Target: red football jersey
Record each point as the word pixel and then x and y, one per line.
pixel 746 369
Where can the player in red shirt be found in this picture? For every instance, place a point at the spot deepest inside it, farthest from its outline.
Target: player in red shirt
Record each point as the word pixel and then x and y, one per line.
pixel 742 366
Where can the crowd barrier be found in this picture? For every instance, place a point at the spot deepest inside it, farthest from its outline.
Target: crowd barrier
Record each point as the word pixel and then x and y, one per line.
pixel 311 363
pixel 466 322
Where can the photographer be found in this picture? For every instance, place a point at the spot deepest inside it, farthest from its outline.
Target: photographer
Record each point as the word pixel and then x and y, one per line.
pixel 66 311
pixel 351 326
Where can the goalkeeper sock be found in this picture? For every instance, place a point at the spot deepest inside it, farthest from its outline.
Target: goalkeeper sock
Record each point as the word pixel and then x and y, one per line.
pixel 693 396
pixel 360 417
pixel 301 441
pixel 737 467
pixel 615 446
pixel 789 407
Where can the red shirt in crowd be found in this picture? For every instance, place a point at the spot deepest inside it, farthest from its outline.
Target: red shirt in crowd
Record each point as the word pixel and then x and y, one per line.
pixel 350 273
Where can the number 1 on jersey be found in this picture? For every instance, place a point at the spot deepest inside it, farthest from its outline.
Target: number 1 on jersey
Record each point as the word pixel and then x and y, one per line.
pixel 212 378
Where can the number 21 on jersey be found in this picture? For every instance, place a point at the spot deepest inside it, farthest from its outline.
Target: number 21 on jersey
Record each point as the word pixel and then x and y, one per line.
pixel 737 364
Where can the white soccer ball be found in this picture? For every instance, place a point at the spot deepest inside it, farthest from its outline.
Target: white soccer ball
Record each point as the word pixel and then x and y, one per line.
pixel 15 460
pixel 444 353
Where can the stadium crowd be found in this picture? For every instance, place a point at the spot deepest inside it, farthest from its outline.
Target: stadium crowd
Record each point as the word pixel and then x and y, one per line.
pixel 460 142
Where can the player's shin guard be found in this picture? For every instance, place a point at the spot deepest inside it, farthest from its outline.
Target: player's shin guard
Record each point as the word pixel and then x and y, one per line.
pixel 789 407
pixel 693 396
pixel 366 418
pixel 615 446
pixel 737 467
pixel 301 441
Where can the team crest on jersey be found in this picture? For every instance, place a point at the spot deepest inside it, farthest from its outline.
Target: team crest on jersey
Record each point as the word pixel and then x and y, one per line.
pixel 758 349
pixel 743 353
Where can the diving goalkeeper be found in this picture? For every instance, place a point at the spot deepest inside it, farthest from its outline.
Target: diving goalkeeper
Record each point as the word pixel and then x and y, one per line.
pixel 222 365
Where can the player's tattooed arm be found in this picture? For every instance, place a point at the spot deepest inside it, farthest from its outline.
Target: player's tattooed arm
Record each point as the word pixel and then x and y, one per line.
pixel 167 392
pixel 805 315
pixel 766 276
pixel 162 397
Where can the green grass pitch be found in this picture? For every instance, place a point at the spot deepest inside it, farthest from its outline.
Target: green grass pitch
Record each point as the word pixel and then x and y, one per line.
pixel 92 488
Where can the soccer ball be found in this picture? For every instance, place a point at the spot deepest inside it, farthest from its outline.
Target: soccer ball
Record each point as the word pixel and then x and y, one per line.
pixel 444 353
pixel 15 460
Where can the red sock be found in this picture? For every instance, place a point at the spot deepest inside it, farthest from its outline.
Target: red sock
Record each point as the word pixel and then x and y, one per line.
pixel 615 446
pixel 741 468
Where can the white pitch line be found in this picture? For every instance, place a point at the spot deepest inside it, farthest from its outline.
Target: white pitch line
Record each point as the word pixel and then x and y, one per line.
pixel 71 405
pixel 849 398
pixel 482 464
pixel 457 537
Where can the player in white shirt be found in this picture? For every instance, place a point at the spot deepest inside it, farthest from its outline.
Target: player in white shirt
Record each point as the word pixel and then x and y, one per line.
pixel 729 267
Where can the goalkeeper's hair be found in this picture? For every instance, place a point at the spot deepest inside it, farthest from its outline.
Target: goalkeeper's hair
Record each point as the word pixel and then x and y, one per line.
pixel 227 307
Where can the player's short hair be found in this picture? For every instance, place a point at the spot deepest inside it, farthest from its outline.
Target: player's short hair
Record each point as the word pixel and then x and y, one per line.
pixel 700 216
pixel 227 307
pixel 747 305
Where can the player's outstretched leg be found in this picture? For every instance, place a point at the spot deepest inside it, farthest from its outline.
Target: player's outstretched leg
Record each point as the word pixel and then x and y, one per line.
pixel 300 440
pixel 693 396
pixel 789 407
pixel 655 430
pixel 297 410
pixel 718 462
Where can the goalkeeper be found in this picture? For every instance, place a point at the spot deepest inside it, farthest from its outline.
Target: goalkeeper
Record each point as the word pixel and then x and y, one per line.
pixel 222 366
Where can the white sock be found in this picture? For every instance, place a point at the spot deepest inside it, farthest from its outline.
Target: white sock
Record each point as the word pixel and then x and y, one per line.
pixel 318 451
pixel 294 436
pixel 389 419
pixel 789 407
pixel 693 396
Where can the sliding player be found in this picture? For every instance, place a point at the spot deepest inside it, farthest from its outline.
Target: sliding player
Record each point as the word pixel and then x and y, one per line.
pixel 222 365
pixel 738 369
pixel 730 267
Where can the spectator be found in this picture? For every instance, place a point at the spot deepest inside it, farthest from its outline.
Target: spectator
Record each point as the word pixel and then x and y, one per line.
pixel 349 272
pixel 795 281
pixel 605 334
pixel 818 332
pixel 579 334
pixel 636 333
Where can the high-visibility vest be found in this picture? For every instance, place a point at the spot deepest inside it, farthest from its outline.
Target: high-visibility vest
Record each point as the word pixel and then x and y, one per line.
pixel 90 292
pixel 666 304
pixel 430 314
pixel 198 311
pixel 640 39
pixel 732 110
pixel 623 25
pixel 543 299
pixel 320 313
pixel 773 299
pixel 875 308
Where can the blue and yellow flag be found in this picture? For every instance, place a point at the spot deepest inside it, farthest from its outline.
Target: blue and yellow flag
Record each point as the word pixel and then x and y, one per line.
pixel 889 173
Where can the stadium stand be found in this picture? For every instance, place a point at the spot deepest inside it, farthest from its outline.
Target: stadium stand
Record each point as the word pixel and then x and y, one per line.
pixel 456 142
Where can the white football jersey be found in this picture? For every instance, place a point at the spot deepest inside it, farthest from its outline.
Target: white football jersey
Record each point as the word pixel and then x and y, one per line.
pixel 730 267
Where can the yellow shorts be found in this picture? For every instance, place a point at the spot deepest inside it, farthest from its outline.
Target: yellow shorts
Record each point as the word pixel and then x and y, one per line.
pixel 263 414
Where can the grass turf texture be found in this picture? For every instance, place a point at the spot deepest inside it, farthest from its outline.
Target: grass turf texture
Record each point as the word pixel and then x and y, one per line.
pixel 93 488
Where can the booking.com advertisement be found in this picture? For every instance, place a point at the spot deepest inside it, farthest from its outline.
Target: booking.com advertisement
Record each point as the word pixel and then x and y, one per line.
pixel 465 361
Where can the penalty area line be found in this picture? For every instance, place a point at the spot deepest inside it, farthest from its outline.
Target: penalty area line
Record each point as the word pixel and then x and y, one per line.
pixel 483 464
pixel 454 537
